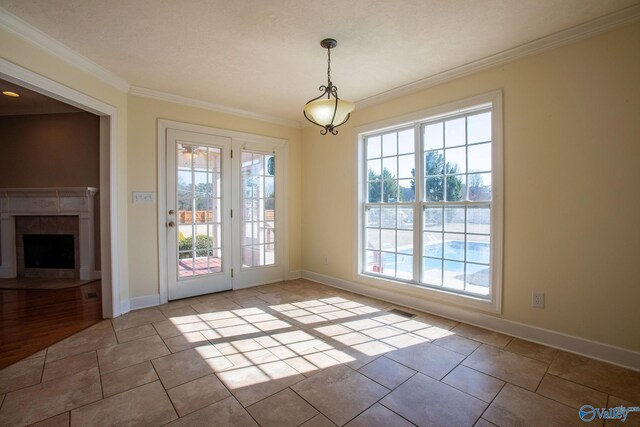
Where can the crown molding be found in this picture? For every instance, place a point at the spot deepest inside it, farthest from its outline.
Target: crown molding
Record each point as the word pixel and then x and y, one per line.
pixel 36 37
pixel 570 35
pixel 177 99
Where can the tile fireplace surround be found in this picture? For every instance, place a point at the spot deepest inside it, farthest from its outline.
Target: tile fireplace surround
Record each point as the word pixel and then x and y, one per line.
pixel 67 201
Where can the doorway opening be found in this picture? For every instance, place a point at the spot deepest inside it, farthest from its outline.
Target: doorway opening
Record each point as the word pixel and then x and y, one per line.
pixel 63 294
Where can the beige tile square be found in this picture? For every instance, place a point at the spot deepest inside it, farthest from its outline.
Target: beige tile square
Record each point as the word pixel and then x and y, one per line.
pixel 474 383
pixel 383 332
pixel 128 378
pixel 166 329
pixel 427 358
pixel 379 416
pixel 254 383
pixel 69 365
pixel 427 402
pixel 362 324
pixel 387 372
pixel 130 353
pixel 310 364
pixel 507 366
pixel 404 340
pixel 532 350
pixel 227 412
pixel 215 305
pixel 42 401
pixel 569 393
pixel 145 405
pixel 197 394
pixel 440 322
pixel 517 406
pixel 483 335
pixel 350 357
pixel 340 393
pixel 251 358
pixel 318 421
pixel 601 376
pixel 137 318
pixel 98 336
pixel 181 367
pixel 180 314
pixel 282 409
pixel 484 423
pixel 61 420
pixel 21 374
pixel 242 346
pixel 185 341
pixel 457 343
pixel 135 333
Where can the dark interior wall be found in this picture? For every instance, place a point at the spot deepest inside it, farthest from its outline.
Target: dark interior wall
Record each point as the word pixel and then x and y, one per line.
pixel 52 150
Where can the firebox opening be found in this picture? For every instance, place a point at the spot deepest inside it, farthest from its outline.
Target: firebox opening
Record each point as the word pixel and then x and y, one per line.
pixel 49 251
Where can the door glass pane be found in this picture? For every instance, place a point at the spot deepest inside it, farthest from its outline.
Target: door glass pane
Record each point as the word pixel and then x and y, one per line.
pixel 259 209
pixel 199 241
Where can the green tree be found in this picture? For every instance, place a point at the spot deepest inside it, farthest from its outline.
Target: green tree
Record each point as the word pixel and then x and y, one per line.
pixel 382 187
pixel 435 184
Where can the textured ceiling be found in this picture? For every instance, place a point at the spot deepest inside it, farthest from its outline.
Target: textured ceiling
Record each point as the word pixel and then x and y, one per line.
pixel 264 56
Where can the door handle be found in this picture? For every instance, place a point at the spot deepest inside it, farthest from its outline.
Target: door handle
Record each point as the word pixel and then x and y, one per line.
pixel 171 224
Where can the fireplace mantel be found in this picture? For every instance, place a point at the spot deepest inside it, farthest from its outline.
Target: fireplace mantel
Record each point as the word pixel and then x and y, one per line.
pixel 47 201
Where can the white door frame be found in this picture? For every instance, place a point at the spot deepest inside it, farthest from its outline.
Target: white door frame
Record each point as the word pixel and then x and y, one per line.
pixel 110 241
pixel 163 125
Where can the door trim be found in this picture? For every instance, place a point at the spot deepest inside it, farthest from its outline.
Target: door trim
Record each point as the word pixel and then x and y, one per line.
pixel 163 125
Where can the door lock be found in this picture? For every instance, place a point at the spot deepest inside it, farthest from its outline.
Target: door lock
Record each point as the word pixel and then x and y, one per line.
pixel 171 224
pixel 171 212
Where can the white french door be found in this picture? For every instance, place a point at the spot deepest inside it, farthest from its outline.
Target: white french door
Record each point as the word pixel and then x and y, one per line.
pixel 257 231
pixel 223 196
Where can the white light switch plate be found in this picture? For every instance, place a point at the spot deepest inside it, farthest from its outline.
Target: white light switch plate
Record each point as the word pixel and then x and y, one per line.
pixel 144 197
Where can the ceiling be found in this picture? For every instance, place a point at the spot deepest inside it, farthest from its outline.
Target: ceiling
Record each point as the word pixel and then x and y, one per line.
pixel 264 56
pixel 30 102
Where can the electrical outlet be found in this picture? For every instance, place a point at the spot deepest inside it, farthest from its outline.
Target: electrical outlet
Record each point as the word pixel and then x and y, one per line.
pixel 325 260
pixel 537 299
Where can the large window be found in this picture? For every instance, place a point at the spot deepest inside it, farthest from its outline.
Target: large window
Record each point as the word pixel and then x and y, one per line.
pixel 428 205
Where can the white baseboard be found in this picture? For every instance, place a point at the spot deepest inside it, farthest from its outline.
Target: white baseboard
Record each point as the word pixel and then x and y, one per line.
pixel 144 301
pixel 596 350
pixel 294 274
pixel 125 307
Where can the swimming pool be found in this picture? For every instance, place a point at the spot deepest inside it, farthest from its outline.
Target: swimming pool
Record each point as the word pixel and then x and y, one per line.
pixel 447 255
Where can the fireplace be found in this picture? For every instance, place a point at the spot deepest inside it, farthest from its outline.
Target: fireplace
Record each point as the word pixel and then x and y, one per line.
pixel 47 232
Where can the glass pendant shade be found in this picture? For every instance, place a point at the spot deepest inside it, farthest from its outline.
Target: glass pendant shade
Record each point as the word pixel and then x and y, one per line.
pixel 321 111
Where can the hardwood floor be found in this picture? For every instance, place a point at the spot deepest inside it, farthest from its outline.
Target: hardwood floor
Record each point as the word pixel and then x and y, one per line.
pixel 31 320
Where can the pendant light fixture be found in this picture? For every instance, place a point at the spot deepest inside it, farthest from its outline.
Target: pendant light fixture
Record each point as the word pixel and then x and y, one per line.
pixel 327 110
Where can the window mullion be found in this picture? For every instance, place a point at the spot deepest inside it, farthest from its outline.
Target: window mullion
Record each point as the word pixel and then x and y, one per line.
pixel 417 203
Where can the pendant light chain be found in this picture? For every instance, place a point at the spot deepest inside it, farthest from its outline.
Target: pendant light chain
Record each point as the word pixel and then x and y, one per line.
pixel 329 66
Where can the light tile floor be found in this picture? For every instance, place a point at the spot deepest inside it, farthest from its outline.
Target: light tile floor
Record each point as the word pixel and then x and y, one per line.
pixel 300 353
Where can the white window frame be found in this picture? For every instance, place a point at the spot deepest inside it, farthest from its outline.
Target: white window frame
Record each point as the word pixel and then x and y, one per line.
pixel 412 288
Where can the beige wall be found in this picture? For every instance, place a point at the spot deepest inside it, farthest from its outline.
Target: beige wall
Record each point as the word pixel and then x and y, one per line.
pixel 572 185
pixel 52 150
pixel 142 176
